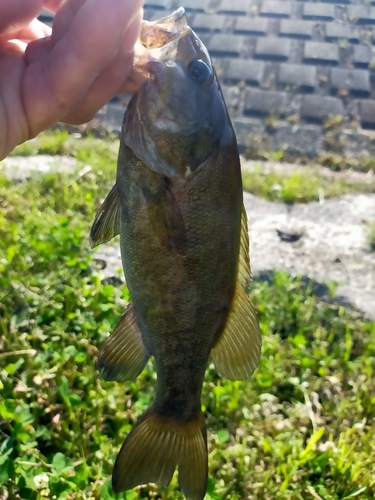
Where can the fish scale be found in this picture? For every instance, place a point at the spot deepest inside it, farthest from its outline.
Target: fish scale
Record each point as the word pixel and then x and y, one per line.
pixel 177 205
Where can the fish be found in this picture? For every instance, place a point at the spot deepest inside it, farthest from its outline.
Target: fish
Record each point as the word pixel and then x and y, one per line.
pixel 177 204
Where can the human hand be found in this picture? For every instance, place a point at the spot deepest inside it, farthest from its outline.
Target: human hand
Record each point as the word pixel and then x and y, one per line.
pixel 65 75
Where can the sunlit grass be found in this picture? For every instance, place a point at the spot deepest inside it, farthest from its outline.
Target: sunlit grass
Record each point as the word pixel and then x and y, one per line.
pixel 87 149
pixel 300 187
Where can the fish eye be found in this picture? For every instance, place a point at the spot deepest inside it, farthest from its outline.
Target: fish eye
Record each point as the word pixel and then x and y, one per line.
pixel 199 71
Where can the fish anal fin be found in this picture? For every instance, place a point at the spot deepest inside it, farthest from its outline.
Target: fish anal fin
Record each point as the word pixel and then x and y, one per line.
pixel 237 352
pixel 155 447
pixel 107 220
pixel 123 355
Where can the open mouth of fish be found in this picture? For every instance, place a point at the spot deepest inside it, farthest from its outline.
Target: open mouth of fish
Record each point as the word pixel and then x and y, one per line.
pixel 155 44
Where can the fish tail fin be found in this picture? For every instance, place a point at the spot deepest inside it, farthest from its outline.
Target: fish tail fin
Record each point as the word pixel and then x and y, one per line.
pixel 156 446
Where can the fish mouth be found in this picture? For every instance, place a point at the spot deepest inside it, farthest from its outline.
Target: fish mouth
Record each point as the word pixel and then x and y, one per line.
pixel 158 33
pixel 157 43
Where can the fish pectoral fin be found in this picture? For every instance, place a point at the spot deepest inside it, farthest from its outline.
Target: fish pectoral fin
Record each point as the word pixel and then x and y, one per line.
pixel 238 350
pixel 123 355
pixel 165 218
pixel 107 220
pixel 155 447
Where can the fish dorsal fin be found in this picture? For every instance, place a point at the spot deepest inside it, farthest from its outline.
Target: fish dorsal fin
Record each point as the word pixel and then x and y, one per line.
pixel 107 220
pixel 238 350
pixel 123 355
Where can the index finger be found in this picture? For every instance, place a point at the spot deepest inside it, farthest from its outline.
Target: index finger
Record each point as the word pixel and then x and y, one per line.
pixel 53 85
pixel 15 14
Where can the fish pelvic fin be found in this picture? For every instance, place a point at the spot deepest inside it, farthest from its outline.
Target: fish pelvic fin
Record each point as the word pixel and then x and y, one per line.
pixel 123 355
pixel 237 352
pixel 107 220
pixel 156 446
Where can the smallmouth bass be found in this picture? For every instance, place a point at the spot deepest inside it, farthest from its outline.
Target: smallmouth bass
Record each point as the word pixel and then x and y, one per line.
pixel 177 205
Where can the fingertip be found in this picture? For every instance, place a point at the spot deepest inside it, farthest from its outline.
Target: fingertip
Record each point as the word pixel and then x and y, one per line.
pixel 37 49
pixel 52 5
pixel 130 86
pixel 131 32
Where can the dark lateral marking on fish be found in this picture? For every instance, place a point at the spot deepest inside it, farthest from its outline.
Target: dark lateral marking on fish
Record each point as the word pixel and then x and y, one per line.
pixel 165 217
pixel 107 220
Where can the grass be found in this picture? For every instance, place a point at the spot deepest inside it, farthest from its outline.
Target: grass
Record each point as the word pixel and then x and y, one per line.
pixel 302 428
pixel 334 161
pixel 299 187
pixel 85 148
